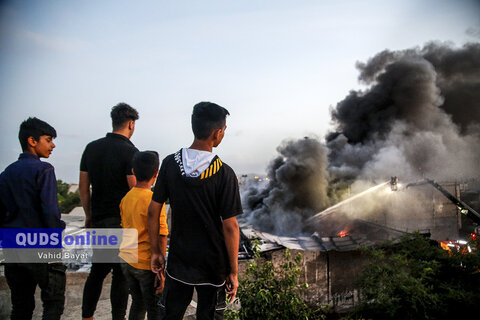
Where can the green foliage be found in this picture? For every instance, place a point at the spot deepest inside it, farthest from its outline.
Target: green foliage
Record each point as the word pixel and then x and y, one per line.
pixel 66 200
pixel 417 279
pixel 266 292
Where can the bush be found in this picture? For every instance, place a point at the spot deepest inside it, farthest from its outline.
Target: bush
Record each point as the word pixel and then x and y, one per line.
pixel 266 292
pixel 66 200
pixel 417 279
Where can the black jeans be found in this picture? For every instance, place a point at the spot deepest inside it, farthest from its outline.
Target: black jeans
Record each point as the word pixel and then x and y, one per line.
pixel 98 272
pixel 23 278
pixel 141 285
pixel 221 303
pixel 178 295
pixel 93 289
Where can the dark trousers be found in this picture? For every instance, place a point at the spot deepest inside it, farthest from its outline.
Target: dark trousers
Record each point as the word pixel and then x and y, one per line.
pixel 141 286
pixel 178 295
pixel 93 289
pixel 98 272
pixel 221 303
pixel 23 278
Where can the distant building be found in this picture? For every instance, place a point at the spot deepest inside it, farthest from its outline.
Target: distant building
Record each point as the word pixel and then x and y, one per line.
pixel 73 188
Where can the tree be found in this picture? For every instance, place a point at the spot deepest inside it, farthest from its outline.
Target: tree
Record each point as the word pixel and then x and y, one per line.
pixel 66 200
pixel 417 279
pixel 266 292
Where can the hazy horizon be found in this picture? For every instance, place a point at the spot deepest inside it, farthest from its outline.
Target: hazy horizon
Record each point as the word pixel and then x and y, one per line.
pixel 277 66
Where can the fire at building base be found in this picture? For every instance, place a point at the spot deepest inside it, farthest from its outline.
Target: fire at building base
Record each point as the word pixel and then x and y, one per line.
pixel 332 260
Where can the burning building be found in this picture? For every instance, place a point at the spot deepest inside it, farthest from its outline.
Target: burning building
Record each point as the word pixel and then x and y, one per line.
pixel 332 260
pixel 419 116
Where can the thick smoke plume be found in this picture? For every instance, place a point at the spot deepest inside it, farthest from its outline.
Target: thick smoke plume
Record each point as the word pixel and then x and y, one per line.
pixel 296 189
pixel 419 116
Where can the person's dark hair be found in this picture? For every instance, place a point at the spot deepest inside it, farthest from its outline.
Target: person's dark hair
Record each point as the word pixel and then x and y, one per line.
pixel 145 164
pixel 206 117
pixel 34 127
pixel 122 113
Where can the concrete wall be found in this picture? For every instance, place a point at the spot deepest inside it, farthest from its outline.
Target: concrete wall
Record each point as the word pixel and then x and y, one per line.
pixel 330 275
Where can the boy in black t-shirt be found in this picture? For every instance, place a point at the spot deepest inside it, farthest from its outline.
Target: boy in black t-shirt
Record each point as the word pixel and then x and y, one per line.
pixel 204 198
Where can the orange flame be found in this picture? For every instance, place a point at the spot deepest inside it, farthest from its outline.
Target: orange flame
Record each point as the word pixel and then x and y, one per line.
pixel 343 233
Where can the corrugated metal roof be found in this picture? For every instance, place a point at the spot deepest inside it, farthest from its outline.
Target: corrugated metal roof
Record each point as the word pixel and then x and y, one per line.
pixel 371 234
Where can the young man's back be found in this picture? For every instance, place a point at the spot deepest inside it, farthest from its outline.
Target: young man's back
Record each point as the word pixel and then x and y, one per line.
pixel 108 163
pixel 199 205
pixel 204 198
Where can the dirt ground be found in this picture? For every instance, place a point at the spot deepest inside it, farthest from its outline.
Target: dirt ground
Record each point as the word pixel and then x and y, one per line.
pixel 73 300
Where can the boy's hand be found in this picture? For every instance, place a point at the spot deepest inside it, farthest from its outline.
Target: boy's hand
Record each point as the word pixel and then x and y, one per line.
pixel 159 283
pixel 157 263
pixel 232 285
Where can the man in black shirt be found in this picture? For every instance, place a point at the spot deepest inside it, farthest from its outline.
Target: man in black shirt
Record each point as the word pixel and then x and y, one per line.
pixel 204 198
pixel 106 165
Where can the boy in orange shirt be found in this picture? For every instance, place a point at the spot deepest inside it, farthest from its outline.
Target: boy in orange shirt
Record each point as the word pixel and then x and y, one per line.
pixel 133 211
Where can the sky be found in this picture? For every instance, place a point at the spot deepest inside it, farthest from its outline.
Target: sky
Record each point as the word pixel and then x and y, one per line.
pixel 277 66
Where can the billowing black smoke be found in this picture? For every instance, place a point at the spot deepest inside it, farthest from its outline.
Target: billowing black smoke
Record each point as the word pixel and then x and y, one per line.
pixel 419 116
pixel 296 189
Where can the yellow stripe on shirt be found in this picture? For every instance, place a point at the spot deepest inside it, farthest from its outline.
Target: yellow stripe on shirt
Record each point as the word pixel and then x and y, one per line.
pixel 212 169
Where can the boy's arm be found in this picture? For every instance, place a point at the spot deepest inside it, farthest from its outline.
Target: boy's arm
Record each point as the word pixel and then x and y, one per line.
pixel 163 231
pixel 158 259
pixel 232 238
pixel 49 201
pixel 160 285
pixel 230 206
pixel 84 190
pixel 162 243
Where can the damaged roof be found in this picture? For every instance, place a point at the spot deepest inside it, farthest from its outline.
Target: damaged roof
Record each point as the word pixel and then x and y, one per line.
pixel 360 233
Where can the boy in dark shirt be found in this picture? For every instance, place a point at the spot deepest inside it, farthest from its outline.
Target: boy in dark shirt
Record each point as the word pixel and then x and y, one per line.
pixel 28 199
pixel 204 198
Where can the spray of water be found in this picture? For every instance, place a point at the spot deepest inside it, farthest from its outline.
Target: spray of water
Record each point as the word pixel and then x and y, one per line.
pixel 334 208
